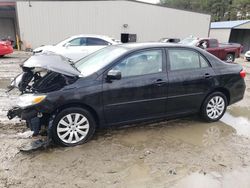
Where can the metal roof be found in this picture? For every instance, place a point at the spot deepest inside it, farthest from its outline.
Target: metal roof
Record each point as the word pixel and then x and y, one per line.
pixel 228 24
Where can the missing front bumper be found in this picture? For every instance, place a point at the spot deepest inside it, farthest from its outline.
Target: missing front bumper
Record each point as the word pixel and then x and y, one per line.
pixel 31 116
pixel 14 112
pixel 34 121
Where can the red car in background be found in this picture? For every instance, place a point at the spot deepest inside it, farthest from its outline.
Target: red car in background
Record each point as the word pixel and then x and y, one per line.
pixel 224 51
pixel 5 48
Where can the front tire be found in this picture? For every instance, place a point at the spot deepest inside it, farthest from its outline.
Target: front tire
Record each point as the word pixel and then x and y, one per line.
pixel 214 107
pixel 73 126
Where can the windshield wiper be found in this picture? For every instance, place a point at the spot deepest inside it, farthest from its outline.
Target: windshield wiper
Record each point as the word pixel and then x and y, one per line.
pixel 72 63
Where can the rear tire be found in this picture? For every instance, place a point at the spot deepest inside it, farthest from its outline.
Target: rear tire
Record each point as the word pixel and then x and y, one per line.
pixel 230 58
pixel 214 107
pixel 73 126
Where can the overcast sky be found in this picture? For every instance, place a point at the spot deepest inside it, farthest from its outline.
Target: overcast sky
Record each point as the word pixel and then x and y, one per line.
pixel 150 1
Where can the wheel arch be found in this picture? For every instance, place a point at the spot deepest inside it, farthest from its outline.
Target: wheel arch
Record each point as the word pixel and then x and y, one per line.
pixel 79 105
pixel 219 89
pixel 232 53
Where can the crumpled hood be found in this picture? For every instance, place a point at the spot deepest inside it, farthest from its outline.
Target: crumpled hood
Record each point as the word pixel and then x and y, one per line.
pixel 53 62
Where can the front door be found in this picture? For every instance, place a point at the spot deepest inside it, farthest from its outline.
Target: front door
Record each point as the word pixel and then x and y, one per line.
pixel 191 77
pixel 142 90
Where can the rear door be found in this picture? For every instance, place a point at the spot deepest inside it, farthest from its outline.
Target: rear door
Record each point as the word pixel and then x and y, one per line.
pixel 141 92
pixel 191 77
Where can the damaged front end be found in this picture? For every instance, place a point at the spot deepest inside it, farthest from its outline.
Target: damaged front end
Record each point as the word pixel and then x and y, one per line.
pixel 28 109
pixel 42 74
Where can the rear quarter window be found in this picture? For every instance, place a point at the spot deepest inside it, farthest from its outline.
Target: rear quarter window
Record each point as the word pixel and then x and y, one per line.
pixel 96 42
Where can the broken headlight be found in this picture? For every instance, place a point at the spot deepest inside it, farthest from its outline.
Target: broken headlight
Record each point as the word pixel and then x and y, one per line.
pixel 27 100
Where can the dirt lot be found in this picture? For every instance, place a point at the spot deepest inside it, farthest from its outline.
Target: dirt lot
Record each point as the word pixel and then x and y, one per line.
pixel 183 153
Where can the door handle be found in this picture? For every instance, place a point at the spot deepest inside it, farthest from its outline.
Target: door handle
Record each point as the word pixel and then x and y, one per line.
pixel 207 76
pixel 159 82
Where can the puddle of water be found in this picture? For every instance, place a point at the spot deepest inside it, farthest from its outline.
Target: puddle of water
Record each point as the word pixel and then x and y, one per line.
pixel 237 178
pixel 240 124
pixel 239 111
pixel 188 131
pixel 198 133
pixel 197 180
pixel 4 83
pixel 134 137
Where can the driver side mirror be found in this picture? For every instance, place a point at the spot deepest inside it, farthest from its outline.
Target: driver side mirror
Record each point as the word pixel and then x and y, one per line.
pixel 114 75
pixel 67 45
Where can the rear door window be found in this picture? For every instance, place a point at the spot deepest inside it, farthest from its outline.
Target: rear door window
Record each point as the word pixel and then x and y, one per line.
pixel 96 42
pixel 184 59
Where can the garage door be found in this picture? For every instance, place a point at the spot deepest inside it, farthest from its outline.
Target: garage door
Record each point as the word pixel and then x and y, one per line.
pixel 7 28
pixel 241 36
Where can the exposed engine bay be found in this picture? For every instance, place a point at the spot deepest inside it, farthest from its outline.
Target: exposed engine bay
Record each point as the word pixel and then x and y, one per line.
pixel 40 80
pixel 45 73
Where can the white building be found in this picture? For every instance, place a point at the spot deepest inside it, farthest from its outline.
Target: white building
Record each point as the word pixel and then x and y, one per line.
pixel 48 22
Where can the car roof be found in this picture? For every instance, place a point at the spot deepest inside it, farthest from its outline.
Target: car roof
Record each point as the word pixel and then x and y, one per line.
pixel 91 35
pixel 112 40
pixel 154 45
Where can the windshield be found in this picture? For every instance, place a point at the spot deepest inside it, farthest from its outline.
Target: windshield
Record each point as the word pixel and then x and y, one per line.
pixel 163 40
pixel 189 41
pixel 99 59
pixel 59 43
pixel 115 40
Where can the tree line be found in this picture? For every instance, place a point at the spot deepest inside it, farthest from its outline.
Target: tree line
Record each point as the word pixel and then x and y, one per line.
pixel 221 10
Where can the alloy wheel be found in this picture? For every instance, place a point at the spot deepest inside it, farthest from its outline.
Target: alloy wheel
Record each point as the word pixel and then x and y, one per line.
pixel 73 128
pixel 230 58
pixel 215 107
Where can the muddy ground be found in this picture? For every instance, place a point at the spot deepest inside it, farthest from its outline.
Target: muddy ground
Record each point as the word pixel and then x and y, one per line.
pixel 183 153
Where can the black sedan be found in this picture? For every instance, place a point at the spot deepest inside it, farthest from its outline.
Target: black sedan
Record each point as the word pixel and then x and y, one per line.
pixel 123 84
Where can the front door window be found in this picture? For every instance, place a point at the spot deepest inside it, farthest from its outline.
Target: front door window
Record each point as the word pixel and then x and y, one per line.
pixel 142 63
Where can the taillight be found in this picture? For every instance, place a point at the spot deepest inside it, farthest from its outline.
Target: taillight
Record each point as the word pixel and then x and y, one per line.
pixel 242 74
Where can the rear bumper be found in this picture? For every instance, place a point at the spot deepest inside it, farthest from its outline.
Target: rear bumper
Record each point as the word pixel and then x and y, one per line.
pixel 237 92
